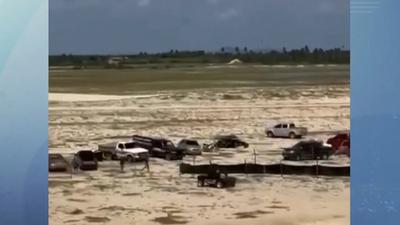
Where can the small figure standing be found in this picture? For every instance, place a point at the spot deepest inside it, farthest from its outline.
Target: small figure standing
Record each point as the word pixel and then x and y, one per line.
pixel 122 161
pixel 75 164
pixel 146 162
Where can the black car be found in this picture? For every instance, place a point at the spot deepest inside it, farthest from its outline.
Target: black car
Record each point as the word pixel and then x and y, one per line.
pixel 229 141
pixel 57 163
pixel 307 150
pixel 216 179
pixel 85 160
pixel 159 147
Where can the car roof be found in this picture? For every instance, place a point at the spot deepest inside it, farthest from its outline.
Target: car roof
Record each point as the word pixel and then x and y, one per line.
pixel 188 139
pixel 138 150
pixel 55 156
pixel 84 151
pixel 230 136
pixel 310 141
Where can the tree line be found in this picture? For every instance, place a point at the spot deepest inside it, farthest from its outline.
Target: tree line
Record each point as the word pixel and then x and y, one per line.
pixel 303 55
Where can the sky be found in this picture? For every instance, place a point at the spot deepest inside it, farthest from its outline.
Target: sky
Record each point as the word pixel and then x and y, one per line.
pixel 132 26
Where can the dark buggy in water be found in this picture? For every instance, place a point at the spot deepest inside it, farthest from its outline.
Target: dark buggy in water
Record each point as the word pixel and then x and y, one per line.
pixel 216 179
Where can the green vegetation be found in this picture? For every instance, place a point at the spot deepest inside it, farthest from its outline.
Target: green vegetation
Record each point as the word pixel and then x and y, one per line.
pixel 155 77
pixel 175 58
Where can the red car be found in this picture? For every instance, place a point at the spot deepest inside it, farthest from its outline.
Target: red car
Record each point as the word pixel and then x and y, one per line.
pixel 344 149
pixel 337 140
pixel 340 143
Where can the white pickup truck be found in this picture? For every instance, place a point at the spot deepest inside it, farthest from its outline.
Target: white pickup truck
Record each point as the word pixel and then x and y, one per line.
pixel 286 130
pixel 130 150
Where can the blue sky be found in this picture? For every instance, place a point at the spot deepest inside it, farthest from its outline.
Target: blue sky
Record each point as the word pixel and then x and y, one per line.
pixel 131 26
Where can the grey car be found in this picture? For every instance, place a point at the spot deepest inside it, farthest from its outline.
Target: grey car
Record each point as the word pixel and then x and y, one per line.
pixel 57 163
pixel 189 146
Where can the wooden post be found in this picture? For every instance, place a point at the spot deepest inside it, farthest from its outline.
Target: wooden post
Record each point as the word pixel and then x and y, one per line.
pixel 255 156
pixel 245 167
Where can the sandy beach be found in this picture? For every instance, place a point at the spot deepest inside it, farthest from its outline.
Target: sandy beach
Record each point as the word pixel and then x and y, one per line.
pixel 163 196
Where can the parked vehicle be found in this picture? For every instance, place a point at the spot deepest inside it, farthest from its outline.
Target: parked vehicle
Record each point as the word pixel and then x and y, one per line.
pixel 286 130
pixel 190 146
pixel 216 179
pixel 57 163
pixel 307 150
pixel 129 150
pixel 229 141
pixel 85 160
pixel 159 147
pixel 344 148
pixel 99 155
pixel 338 139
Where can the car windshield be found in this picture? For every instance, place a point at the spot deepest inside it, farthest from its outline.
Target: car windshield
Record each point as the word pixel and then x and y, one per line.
pixel 55 157
pixel 298 145
pixel 169 144
pixel 86 155
pixel 192 143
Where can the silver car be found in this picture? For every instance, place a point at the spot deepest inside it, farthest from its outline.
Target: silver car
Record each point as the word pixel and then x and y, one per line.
pixel 190 146
pixel 289 130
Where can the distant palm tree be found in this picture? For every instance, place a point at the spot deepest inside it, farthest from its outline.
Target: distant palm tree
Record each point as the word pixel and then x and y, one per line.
pixel 237 50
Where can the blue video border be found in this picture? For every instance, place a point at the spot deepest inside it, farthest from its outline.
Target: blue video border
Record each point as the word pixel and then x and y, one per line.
pixel 23 114
pixel 375 112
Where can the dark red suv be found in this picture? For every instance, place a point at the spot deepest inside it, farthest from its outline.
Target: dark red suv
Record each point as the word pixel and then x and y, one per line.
pixel 337 140
pixel 340 143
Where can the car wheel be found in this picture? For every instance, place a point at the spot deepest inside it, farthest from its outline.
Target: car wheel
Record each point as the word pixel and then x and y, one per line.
pixel 298 158
pixel 325 157
pixel 270 134
pixel 292 135
pixel 200 183
pixel 130 158
pixel 219 184
pixel 168 156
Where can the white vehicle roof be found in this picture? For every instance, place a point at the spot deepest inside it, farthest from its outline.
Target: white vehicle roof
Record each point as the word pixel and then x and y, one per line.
pixel 124 142
pixel 285 122
pixel 136 150
pixel 277 123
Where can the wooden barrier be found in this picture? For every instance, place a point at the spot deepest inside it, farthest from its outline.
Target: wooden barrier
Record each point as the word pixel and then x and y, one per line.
pixel 278 168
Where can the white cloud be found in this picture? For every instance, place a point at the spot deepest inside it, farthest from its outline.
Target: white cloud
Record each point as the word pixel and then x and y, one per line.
pixel 143 3
pixel 228 14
